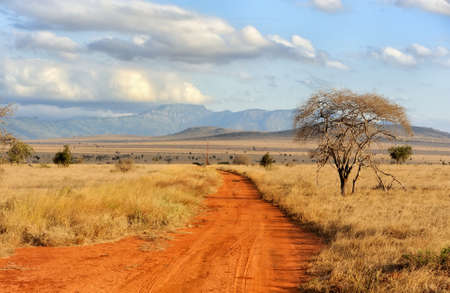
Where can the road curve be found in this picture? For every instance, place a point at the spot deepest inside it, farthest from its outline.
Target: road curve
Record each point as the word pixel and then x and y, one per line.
pixel 240 244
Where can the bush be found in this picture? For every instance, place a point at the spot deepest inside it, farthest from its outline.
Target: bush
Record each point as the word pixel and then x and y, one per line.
pixel 241 160
pixel 266 161
pixel 124 165
pixel 400 153
pixel 63 158
pixel 19 152
pixel 439 261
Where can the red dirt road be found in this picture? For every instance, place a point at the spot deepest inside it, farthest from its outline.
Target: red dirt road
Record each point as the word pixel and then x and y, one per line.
pixel 241 244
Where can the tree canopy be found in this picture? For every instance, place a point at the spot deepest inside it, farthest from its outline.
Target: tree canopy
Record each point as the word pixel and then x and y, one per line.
pixel 19 152
pixel 346 124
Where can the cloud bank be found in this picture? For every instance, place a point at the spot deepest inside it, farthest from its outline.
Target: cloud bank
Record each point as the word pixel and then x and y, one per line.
pixel 35 79
pixel 434 6
pixel 147 30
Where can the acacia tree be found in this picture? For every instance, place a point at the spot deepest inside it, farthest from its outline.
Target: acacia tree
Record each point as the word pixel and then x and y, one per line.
pixel 5 137
pixel 19 152
pixel 346 124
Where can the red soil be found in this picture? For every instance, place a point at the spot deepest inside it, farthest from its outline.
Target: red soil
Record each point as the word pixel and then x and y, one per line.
pixel 241 244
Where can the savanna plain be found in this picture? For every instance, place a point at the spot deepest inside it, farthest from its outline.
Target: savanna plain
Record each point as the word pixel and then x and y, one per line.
pixel 374 241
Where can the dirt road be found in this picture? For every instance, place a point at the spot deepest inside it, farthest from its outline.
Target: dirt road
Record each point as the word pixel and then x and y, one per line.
pixel 241 244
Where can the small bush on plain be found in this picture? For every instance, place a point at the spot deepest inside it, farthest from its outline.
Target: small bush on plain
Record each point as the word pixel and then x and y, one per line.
pixel 266 161
pixel 63 158
pixel 400 153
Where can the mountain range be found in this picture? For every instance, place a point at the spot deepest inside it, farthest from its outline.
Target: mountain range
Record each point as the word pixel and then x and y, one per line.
pixel 160 120
pixel 182 120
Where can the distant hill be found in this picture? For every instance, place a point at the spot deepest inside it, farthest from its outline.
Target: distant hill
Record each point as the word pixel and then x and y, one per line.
pixel 199 132
pixel 419 133
pixel 159 121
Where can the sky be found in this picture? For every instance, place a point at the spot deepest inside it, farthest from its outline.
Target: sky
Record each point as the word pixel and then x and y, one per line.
pixel 106 58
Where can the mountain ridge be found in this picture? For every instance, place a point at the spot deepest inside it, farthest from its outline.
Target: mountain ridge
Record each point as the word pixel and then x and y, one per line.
pixel 179 120
pixel 158 121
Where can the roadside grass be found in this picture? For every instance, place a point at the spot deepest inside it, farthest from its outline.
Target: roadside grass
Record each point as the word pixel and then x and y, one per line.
pixel 86 204
pixel 397 241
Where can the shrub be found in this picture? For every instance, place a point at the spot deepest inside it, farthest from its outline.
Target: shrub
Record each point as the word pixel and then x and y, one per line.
pixel 19 152
pixel 241 160
pixel 63 158
pixel 439 261
pixel 266 161
pixel 124 165
pixel 400 153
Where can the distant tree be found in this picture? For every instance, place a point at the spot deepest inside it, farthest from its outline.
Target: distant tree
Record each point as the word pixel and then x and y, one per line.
pixel 345 125
pixel 19 152
pixel 5 137
pixel 63 158
pixel 266 161
pixel 400 153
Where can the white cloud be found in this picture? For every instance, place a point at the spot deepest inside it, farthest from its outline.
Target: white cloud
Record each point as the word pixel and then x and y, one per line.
pixel 441 51
pixel 396 56
pixel 298 46
pixel 435 6
pixel 138 86
pixel 47 41
pixel 337 65
pixel 40 80
pixel 149 30
pixel 32 78
pixel 420 50
pixel 419 55
pixel 140 39
pixel 328 5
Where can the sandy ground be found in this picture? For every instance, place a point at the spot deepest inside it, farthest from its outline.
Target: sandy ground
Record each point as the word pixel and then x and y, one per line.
pixel 240 244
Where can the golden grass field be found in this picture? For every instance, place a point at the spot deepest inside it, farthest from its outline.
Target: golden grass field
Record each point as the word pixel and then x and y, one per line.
pixel 377 241
pixel 51 206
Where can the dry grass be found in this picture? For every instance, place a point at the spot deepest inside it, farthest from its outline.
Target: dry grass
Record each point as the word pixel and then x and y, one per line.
pixel 124 165
pixel 89 203
pixel 377 242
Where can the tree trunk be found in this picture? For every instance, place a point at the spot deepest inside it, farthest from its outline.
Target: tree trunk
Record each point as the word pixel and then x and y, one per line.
pixel 343 183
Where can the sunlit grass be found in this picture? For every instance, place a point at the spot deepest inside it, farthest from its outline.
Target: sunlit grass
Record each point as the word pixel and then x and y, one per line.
pixel 89 203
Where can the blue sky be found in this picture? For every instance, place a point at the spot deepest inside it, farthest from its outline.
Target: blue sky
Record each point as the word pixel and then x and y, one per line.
pixel 61 59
